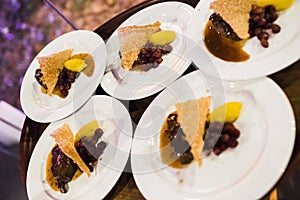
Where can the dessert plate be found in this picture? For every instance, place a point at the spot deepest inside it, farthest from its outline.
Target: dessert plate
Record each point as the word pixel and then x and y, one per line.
pixel 245 172
pixel 282 50
pixel 135 85
pixel 115 121
pixel 44 108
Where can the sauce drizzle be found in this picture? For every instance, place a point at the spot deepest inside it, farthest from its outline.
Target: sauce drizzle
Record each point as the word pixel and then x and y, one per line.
pixel 167 154
pixel 222 47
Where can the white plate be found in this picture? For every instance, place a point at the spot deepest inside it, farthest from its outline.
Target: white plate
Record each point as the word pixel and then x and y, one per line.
pixel 44 108
pixel 173 16
pixel 246 172
pixel 282 51
pixel 117 127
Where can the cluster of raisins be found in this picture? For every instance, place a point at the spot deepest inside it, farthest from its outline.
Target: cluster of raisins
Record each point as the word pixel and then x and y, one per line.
pixel 261 21
pixel 63 169
pixel 64 83
pixel 65 80
pixel 220 136
pixel 90 149
pixel 177 140
pixel 38 76
pixel 221 26
pixel 151 56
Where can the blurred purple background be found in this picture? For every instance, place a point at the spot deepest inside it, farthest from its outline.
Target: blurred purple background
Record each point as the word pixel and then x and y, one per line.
pixel 26 26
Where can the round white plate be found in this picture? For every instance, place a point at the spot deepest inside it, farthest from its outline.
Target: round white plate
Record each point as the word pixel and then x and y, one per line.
pixel 135 85
pixel 282 50
pixel 44 108
pixel 246 172
pixel 116 124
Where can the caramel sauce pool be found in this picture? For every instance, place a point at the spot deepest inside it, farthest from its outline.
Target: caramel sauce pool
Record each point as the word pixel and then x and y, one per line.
pixel 222 47
pixel 49 176
pixel 166 150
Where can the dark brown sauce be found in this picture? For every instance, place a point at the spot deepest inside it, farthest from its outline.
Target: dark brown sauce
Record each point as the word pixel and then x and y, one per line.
pixel 222 47
pixel 166 150
pixel 49 176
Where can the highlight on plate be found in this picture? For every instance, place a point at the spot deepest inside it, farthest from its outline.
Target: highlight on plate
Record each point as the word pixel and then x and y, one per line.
pixel 58 71
pixel 70 157
pixel 191 131
pixel 233 22
pixel 142 47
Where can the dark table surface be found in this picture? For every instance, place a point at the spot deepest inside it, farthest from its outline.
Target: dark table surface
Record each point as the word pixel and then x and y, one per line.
pixel 288 186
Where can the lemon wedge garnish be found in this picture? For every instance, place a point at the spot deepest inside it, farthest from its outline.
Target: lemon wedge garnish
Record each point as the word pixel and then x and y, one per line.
pixel 75 64
pixel 162 37
pixel 228 112
pixel 279 4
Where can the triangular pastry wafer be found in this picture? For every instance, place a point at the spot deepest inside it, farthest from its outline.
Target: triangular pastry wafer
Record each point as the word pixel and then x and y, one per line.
pixel 65 140
pixel 236 13
pixel 192 116
pixel 51 66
